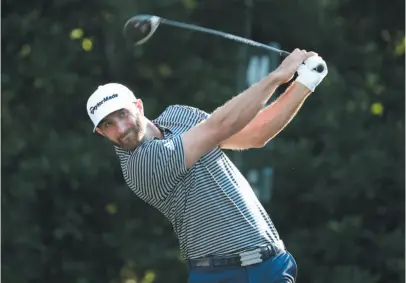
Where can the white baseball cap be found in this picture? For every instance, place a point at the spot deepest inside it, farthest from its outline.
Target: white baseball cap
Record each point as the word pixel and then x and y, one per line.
pixel 107 99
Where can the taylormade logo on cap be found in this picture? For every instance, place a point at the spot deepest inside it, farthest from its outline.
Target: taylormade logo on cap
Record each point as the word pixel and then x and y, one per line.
pixel 98 104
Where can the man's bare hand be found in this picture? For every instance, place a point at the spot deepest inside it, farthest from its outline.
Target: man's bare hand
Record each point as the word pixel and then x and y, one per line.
pixel 290 64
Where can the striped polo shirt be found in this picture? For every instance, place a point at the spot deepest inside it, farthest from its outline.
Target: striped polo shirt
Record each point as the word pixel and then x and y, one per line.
pixel 211 206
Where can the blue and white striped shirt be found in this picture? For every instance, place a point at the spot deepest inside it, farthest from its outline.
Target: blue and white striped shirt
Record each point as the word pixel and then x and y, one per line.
pixel 211 206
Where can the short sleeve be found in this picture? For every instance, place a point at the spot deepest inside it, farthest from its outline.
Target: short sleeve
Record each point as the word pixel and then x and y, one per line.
pixel 156 168
pixel 202 114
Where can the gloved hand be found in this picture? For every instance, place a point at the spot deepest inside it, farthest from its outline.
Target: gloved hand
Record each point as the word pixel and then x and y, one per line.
pixel 308 74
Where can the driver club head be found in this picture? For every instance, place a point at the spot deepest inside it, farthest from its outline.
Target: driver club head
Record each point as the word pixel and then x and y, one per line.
pixel 140 28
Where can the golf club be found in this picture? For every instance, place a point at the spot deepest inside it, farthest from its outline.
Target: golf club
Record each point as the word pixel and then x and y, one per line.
pixel 141 27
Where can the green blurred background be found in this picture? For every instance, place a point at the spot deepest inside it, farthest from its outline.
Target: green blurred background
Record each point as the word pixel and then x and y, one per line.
pixel 332 181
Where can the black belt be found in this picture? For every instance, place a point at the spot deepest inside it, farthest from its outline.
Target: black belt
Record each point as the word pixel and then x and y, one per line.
pixel 244 258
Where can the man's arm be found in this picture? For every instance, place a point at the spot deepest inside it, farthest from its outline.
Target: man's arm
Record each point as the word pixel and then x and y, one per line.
pixel 233 116
pixel 274 118
pixel 270 121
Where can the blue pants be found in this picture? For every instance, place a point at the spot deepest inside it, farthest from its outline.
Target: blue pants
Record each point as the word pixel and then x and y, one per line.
pixel 279 269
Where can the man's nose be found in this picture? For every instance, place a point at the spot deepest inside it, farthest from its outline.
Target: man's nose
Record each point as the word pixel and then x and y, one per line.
pixel 121 127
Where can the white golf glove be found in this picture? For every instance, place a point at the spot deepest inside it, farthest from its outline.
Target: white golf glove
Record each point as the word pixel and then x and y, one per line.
pixel 308 75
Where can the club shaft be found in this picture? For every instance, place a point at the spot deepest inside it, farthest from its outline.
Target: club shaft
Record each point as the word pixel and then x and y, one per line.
pixel 225 35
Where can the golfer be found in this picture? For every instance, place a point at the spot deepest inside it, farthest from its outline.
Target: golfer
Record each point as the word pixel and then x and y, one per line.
pixel 176 164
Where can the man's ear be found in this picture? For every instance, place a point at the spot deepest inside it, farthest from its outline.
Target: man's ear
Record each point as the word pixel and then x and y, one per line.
pixel 139 106
pixel 99 131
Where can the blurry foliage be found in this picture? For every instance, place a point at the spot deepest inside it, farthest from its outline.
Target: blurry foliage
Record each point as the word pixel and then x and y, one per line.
pixel 67 215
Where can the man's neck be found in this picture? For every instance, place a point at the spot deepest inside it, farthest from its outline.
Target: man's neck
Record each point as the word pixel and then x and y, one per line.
pixel 152 131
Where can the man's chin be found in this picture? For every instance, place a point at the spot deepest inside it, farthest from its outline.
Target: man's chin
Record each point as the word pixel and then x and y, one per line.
pixel 128 143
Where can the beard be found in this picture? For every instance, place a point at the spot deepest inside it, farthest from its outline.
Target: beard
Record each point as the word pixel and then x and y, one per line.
pixel 133 137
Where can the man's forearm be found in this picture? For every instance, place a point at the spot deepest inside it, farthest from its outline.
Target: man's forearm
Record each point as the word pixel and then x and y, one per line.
pixel 271 120
pixel 240 110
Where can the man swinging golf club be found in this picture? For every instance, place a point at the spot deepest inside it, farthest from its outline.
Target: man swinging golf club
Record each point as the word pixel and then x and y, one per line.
pixel 176 164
